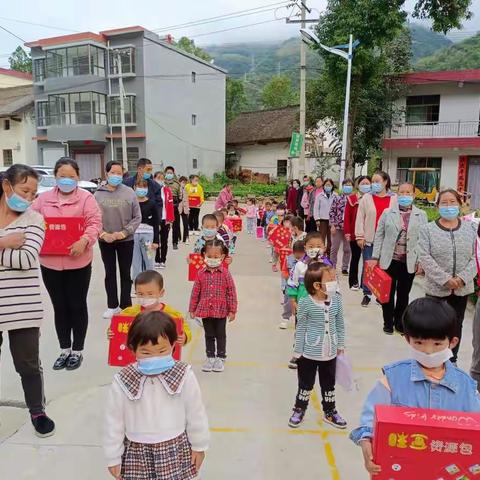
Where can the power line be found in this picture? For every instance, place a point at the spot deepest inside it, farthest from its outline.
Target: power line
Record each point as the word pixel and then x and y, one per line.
pixel 39 24
pixel 11 33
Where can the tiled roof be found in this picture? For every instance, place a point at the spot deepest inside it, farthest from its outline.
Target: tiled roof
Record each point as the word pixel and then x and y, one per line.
pixel 15 73
pixel 15 99
pixel 417 78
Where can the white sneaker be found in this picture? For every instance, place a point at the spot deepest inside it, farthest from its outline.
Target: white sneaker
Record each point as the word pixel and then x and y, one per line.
pixel 187 242
pixel 161 266
pixel 110 312
pixel 283 325
pixel 219 365
pixel 208 365
pixel 157 266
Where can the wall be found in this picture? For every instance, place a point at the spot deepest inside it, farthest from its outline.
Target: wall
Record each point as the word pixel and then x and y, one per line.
pixel 262 158
pixel 7 81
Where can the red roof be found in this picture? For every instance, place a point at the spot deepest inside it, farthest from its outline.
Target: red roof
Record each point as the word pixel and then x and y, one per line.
pixel 15 73
pixel 418 78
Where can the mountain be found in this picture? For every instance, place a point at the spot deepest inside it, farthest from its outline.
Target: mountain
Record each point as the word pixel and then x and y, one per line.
pixel 425 42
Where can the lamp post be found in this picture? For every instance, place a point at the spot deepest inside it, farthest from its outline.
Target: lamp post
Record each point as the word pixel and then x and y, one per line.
pixel 311 39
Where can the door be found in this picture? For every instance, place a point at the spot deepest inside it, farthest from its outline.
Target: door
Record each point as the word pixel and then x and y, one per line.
pixel 473 186
pixel 90 165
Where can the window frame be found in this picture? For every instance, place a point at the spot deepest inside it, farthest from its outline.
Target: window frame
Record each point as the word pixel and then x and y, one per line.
pixel 194 119
pixel 39 74
pixel 132 162
pixel 42 116
pixel 62 62
pixel 6 124
pixel 430 162
pixel 194 77
pixel 9 162
pixel 62 109
pixel 426 106
pixel 130 104
pixel 281 168
pixel 130 64
pixel 195 163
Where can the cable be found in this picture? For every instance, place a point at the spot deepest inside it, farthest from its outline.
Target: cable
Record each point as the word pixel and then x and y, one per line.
pixel 237 28
pixel 11 33
pixel 39 24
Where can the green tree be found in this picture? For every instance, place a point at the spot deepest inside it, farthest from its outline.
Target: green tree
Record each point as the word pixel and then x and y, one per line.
pixel 20 61
pixel 188 45
pixel 236 99
pixel 444 14
pixel 278 93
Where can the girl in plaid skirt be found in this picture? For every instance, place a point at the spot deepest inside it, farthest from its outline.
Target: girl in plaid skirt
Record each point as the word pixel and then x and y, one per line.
pixel 156 426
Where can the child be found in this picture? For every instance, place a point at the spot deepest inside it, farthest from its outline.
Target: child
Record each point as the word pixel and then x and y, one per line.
pixel 277 219
pixel 428 379
pixel 225 229
pixel 232 209
pixel 298 253
pixel 298 229
pixel 251 214
pixel 210 231
pixel 214 298
pixel 240 211
pixel 155 408
pixel 319 338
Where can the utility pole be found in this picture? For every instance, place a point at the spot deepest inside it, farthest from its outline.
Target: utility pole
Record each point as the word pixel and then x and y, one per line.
pixel 303 84
pixel 121 92
pixel 343 160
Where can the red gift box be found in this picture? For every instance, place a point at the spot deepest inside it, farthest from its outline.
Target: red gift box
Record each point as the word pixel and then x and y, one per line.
pixel 236 224
pixel 378 281
pixel 61 233
pixel 196 263
pixel 119 355
pixel 280 237
pixel 414 443
pixel 194 202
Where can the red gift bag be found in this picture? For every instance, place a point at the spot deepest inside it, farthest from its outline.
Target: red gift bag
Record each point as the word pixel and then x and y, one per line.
pixel 61 233
pixel 197 263
pixel 427 444
pixel 280 237
pixel 378 281
pixel 236 224
pixel 260 233
pixel 283 256
pixel 194 202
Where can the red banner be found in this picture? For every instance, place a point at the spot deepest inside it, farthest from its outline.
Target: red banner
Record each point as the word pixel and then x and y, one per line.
pixel 196 263
pixel 61 233
pixel 194 202
pixel 462 173
pixel 280 237
pixel 378 281
pixel 236 224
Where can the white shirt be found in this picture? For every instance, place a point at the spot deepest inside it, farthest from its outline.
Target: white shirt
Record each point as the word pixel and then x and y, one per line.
pixel 156 417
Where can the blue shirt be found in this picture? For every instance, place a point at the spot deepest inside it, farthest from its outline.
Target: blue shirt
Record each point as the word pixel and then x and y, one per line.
pixel 409 387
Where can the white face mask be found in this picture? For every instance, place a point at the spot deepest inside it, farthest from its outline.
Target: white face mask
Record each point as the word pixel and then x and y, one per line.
pixel 331 287
pixel 146 301
pixel 432 360
pixel 314 252
pixel 213 262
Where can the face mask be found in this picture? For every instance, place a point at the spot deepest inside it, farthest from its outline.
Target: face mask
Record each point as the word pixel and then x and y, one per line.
pixel 449 213
pixel 145 301
pixel 17 203
pixel 365 188
pixel 331 287
pixel 213 262
pixel 432 360
pixel 209 232
pixel 347 189
pixel 155 365
pixel 114 180
pixel 160 182
pixel 314 252
pixel 169 176
pixel 66 185
pixel 405 200
pixel 377 187
pixel 327 189
pixel 141 192
pixel 306 184
pixel 147 175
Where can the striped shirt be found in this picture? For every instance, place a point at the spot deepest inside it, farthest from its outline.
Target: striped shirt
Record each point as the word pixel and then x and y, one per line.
pixel 320 328
pixel 20 299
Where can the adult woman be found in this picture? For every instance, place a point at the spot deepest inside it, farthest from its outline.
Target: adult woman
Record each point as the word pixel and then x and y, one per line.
pixel 337 215
pixel 351 210
pixel 321 212
pixel 395 249
pixel 475 369
pixel 195 197
pixel 224 197
pixel 167 216
pixel 447 255
pixel 292 197
pixel 370 209
pixel 121 216
pixel 173 184
pixel 184 209
pixel 67 277
pixel 21 237
pixel 307 190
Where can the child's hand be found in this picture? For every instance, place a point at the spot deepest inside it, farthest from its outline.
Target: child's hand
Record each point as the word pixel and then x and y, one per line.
pixel 340 351
pixel 189 260
pixel 294 306
pixel 192 314
pixel 115 471
pixel 109 333
pixel 228 260
pixel 197 459
pixel 231 317
pixel 182 338
pixel 368 458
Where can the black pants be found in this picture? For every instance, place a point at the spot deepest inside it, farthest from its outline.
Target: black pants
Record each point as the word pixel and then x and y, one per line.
pixel 123 252
pixel 193 219
pixel 310 225
pixel 68 291
pixel 215 335
pixel 354 262
pixel 402 282
pixel 176 226
pixel 306 372
pixel 459 304
pixel 24 349
pixel 162 250
pixel 324 229
pixel 184 226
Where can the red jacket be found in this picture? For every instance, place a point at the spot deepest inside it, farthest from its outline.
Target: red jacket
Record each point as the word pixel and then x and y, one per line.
pixel 167 210
pixel 292 195
pixel 351 209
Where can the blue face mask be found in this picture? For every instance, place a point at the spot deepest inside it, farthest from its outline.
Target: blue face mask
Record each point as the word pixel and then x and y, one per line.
pixel 327 189
pixel 209 232
pixel 405 200
pixel 66 185
pixel 347 189
pixel 169 176
pixel 141 192
pixel 449 213
pixel 114 180
pixel 17 203
pixel 147 175
pixel 377 187
pixel 155 365
pixel 365 188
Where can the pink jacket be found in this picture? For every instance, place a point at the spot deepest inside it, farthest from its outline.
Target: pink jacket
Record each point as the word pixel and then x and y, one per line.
pixel 223 198
pixel 79 204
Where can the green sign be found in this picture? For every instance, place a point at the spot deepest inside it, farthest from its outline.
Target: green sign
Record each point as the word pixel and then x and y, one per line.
pixel 296 144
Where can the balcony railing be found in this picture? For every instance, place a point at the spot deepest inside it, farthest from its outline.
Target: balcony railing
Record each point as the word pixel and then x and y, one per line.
pixel 434 130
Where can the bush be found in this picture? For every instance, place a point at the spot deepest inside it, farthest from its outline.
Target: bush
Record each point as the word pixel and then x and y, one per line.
pixel 432 212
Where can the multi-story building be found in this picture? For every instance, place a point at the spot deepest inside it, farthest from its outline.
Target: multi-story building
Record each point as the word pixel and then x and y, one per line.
pixel 174 102
pixel 436 143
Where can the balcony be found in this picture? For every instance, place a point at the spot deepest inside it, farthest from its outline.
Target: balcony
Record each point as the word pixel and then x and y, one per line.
pixel 457 129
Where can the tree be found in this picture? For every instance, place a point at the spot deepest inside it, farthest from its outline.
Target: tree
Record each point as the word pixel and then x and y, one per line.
pixel 236 99
pixel 278 93
pixel 445 14
pixel 20 61
pixel 188 45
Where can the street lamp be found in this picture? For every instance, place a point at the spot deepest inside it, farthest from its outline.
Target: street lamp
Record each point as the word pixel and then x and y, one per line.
pixel 311 39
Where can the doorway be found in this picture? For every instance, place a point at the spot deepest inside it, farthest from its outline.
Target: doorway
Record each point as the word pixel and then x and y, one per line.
pixel 90 165
pixel 473 185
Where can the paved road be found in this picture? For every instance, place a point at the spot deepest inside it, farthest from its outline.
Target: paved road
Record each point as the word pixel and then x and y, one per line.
pixel 248 405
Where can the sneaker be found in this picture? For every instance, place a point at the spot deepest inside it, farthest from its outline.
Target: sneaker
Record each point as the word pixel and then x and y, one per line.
pixel 270 260
pixel 43 425
pixel 355 288
pixel 208 365
pixel 388 331
pixel 366 300
pixel 161 265
pixel 175 246
pixel 345 272
pixel 377 303
pixel 283 325
pixel 74 361
pixel 219 365
pixel 297 418
pixel 334 419
pixel 187 242
pixel 293 363
pixel 110 312
pixel 157 266
pixel 61 361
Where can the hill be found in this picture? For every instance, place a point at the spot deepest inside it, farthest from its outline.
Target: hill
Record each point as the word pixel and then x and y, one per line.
pixel 425 42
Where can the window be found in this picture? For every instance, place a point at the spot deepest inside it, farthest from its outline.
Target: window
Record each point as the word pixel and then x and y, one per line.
pixel 194 119
pixel 132 157
pixel 423 172
pixel 73 61
pixel 42 114
pixel 127 60
pixel 282 168
pixel 7 158
pixel 39 69
pixel 423 109
pixel 77 109
pixel 194 77
pixel 6 124
pixel 130 113
pixel 195 163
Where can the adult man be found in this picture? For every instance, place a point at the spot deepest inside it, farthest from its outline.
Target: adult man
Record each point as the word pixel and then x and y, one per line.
pixel 174 185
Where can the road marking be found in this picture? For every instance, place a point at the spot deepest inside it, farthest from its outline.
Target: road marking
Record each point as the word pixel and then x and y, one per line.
pixel 290 431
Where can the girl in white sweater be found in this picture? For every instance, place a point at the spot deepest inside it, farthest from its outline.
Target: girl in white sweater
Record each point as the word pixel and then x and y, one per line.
pixel 156 424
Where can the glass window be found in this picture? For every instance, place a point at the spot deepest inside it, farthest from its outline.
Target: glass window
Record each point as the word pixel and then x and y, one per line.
pixel 194 77
pixel 42 114
pixel 423 172
pixel 56 62
pixel 130 110
pixel 77 109
pixel 132 157
pixel 195 163
pixel 97 61
pixel 127 59
pixel 6 124
pixel 403 163
pixel 73 61
pixel 423 109
pixel 194 119
pixel 39 69
pixel 419 162
pixel 282 168
pixel 7 158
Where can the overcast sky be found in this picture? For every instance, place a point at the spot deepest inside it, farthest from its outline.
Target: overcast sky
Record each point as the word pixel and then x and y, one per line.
pixel 96 15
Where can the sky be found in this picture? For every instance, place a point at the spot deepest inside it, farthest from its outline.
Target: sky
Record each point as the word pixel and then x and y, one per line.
pixel 68 16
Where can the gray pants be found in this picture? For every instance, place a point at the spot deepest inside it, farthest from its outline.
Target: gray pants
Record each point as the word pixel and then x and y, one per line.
pixel 475 371
pixel 338 239
pixel 287 307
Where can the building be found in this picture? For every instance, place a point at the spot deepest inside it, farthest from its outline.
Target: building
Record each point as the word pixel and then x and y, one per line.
pixel 436 142
pixel 12 78
pixel 17 126
pixel 174 102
